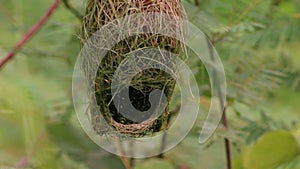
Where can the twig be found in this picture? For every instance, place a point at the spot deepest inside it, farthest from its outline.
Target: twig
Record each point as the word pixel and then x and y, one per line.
pixel 223 108
pixel 227 142
pixel 247 11
pixel 122 153
pixel 165 135
pixel 220 38
pixel 30 33
pixel 197 3
pixel 241 17
pixel 163 144
pixel 131 160
pixel 72 9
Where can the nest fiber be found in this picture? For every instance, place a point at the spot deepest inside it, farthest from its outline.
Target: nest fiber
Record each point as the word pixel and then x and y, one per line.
pixel 100 13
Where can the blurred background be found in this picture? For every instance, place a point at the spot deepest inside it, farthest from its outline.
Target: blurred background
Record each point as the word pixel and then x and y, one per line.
pixel 258 42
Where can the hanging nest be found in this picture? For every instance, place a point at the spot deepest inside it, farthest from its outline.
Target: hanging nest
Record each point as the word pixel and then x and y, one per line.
pixel 102 12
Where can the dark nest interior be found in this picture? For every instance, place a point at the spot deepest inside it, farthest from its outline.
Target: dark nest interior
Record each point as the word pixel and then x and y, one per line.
pixel 102 12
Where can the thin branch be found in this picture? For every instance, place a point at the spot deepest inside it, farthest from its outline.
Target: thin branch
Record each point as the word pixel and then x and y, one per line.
pixel 247 11
pixel 132 149
pixel 223 108
pixel 220 37
pixel 241 17
pixel 30 33
pixel 197 3
pixel 165 135
pixel 227 142
pixel 74 11
pixel 122 153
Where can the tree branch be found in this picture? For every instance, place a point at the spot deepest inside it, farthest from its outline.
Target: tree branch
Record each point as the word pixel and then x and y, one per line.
pixel 197 3
pixel 120 149
pixel 165 135
pixel 72 9
pixel 30 33
pixel 223 108
pixel 227 142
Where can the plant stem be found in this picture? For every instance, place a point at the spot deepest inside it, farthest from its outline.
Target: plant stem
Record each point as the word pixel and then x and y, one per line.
pixel 30 33
pixel 223 108
pixel 227 142
pixel 122 153
pixel 197 3
pixel 165 135
pixel 163 144
pixel 72 9
pixel 132 160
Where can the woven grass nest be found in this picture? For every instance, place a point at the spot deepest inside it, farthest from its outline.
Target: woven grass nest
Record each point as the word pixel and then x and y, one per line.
pixel 102 12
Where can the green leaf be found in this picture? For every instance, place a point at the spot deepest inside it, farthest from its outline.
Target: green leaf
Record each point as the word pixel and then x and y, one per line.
pixel 237 163
pixel 295 164
pixel 288 7
pixel 271 150
pixel 155 163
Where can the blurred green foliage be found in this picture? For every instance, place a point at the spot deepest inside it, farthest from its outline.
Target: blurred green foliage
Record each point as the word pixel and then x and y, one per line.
pixel 258 42
pixel 155 163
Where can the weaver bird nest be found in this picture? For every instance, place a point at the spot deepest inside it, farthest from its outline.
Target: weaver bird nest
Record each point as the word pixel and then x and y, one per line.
pixel 102 12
